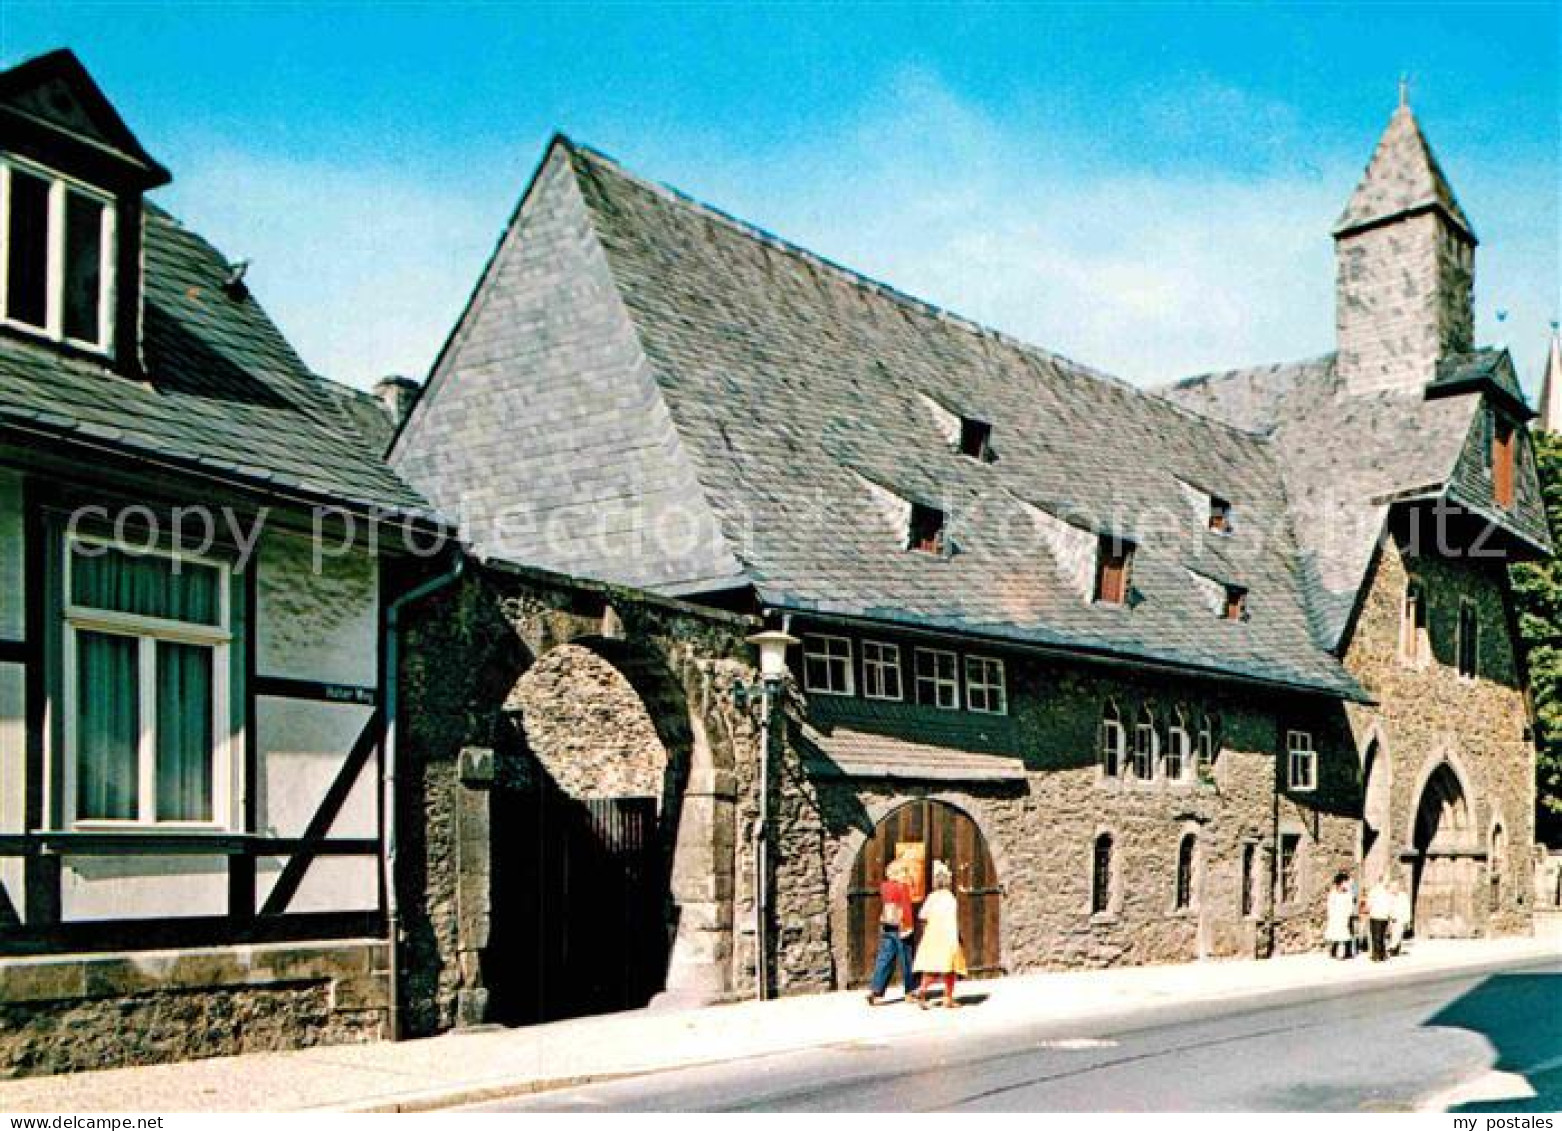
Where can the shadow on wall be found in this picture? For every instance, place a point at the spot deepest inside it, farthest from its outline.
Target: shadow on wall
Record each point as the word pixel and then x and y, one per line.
pixel 1518 1015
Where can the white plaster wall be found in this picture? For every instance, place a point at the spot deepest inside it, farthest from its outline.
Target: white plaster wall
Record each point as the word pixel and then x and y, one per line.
pixel 317 624
pixel 142 887
pixel 303 745
pixel 12 559
pixel 331 883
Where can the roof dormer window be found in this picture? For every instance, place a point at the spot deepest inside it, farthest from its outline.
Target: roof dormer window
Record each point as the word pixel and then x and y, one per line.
pixel 1114 568
pixel 976 439
pixel 57 270
pixel 926 531
pixel 1235 607
pixel 1219 515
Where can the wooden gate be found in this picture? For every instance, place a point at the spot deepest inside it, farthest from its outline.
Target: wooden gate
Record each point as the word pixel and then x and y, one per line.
pixel 580 903
pixel 943 833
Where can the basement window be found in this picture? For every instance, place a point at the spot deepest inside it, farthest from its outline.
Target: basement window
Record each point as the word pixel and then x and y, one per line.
pixel 926 532
pixel 1114 567
pixel 976 439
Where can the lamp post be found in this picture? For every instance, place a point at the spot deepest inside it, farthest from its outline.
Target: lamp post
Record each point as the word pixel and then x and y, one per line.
pixel 772 645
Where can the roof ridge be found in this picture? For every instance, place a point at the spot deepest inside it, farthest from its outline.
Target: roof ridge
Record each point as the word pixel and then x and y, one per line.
pixel 848 274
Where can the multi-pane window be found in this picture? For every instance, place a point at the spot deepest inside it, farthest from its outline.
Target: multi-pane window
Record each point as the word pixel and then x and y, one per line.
pixel 1114 742
pixel 1413 639
pixel 827 665
pixel 1185 851
pixel 1209 743
pixel 1142 764
pixel 880 670
pixel 984 688
pixel 145 657
pixel 938 680
pixel 1469 643
pixel 57 268
pixel 1290 867
pixel 1101 875
pixel 1175 758
pixel 1301 760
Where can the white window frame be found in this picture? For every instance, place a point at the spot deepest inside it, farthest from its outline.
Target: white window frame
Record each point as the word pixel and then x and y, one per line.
pixel 878 659
pixel 1300 753
pixel 938 682
pixel 980 681
pixel 1112 725
pixel 829 656
pixel 54 298
pixel 148 632
pixel 1414 645
pixel 1154 755
pixel 1207 750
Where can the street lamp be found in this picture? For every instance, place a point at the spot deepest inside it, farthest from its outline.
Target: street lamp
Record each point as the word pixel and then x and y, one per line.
pixel 772 645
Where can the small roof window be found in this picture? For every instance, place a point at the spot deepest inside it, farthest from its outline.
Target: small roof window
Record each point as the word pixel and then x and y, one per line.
pixel 1114 570
pixel 1219 515
pixel 926 529
pixel 1235 607
pixel 976 439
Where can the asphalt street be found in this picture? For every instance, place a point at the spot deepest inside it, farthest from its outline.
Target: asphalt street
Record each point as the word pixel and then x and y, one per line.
pixel 1382 1049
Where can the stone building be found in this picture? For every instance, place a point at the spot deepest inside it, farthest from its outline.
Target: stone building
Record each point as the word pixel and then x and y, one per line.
pixel 191 681
pixel 1147 668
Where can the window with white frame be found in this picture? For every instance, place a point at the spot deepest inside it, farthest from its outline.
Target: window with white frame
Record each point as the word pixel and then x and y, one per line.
pixel 145 682
pixel 880 670
pixel 1301 760
pixel 984 687
pixel 938 680
pixel 57 270
pixel 1145 743
pixel 1114 742
pixel 1413 641
pixel 1209 743
pixel 827 665
pixel 1176 760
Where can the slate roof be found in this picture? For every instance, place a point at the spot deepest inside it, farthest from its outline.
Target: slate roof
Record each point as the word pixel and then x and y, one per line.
pixel 1345 458
pixel 807 395
pixel 865 738
pixel 225 394
pixel 1402 176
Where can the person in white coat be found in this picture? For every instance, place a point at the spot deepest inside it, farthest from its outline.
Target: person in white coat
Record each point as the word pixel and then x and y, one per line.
pixel 1337 922
pixel 1399 916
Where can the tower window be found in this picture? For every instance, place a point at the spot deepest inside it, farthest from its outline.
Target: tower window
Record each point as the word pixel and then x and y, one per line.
pixel 1219 515
pixel 927 529
pixel 1114 565
pixel 976 439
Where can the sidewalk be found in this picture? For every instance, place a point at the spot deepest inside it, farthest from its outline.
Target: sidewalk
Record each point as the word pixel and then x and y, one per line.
pixel 491 1063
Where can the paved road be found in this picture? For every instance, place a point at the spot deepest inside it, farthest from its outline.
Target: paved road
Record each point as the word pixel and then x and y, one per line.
pixel 1383 1049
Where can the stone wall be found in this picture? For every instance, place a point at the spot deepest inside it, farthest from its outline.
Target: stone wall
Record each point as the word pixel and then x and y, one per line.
pixel 73 1013
pixel 1427 715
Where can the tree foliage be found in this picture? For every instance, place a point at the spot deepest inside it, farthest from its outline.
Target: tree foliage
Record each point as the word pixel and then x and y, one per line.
pixel 1537 590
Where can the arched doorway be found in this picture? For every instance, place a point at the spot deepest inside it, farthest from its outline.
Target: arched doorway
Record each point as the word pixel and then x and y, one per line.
pixel 1445 876
pixel 932 830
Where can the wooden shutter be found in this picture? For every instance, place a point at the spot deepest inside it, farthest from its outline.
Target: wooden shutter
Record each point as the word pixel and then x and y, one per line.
pixel 1502 461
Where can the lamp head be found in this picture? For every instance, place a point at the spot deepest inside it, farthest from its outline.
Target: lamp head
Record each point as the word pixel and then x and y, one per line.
pixel 772 645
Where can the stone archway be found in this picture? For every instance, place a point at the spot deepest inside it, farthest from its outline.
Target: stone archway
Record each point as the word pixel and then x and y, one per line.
pixel 1445 864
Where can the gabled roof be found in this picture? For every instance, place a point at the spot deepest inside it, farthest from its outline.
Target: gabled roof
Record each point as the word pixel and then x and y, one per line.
pixel 1403 176
pixel 56 92
pixel 225 394
pixel 800 401
pixel 1484 370
pixel 1346 458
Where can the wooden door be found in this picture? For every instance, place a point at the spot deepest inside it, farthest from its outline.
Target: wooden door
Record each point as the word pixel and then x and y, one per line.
pixel 940 832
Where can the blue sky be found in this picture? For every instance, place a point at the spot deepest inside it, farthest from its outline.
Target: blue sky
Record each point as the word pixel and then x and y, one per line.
pixel 1146 188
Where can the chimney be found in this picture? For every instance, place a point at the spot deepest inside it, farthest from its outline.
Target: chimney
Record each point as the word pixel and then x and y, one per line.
pixel 1405 268
pixel 397 395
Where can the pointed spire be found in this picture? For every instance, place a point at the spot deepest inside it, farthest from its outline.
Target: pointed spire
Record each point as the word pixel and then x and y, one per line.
pixel 1403 176
pixel 1551 386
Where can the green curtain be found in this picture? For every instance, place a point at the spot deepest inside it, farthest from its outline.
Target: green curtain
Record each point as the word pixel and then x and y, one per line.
pixel 146 585
pixel 108 726
pixel 184 732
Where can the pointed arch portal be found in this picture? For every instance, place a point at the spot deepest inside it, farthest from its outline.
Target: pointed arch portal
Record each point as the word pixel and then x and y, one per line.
pixel 1445 859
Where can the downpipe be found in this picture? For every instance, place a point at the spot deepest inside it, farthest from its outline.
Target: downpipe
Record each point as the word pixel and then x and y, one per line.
pixel 392 769
pixel 762 855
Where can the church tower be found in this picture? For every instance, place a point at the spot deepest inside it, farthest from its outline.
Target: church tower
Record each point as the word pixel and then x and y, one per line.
pixel 1551 386
pixel 1404 267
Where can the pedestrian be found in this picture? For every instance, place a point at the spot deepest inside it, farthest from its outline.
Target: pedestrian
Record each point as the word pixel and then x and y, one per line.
pixel 939 955
pixel 1358 921
pixel 897 923
pixel 1380 908
pixel 1337 922
pixel 1399 916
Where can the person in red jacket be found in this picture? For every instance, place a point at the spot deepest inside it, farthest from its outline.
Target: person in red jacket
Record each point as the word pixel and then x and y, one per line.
pixel 897 922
